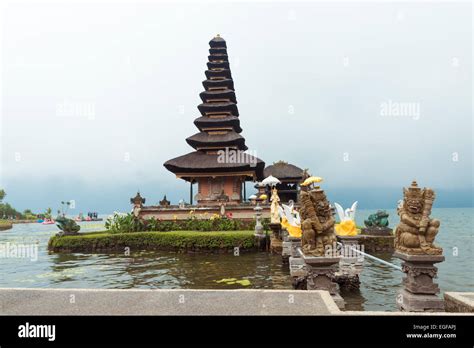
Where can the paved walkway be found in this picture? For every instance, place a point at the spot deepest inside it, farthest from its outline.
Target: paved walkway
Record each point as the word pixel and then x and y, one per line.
pixel 178 302
pixel 165 302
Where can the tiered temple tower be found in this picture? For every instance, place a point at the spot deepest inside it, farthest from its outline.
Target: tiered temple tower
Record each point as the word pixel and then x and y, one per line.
pixel 218 165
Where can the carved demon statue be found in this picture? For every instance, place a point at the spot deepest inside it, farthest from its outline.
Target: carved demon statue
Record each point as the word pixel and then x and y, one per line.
pixel 317 222
pixel 416 232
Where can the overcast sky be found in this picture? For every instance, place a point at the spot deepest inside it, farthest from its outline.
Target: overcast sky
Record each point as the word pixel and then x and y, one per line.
pixel 96 97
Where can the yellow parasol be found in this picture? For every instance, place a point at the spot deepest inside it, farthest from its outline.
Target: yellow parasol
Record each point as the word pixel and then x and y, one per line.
pixel 312 180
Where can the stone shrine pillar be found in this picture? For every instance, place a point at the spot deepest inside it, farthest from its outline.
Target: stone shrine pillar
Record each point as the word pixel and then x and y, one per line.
pixel 275 221
pixel 414 245
pixel 319 242
pixel 259 232
pixel 290 255
pixel 289 247
pixel 419 293
pixel 276 243
pixel 320 274
pixel 351 264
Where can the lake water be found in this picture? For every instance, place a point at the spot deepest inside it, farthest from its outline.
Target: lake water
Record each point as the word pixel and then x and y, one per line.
pixel 379 283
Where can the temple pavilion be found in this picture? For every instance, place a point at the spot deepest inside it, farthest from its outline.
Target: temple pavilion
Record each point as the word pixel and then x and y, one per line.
pixel 290 177
pixel 218 164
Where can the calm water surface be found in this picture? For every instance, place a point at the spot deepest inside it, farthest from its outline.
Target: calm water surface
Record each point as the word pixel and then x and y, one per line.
pixel 379 283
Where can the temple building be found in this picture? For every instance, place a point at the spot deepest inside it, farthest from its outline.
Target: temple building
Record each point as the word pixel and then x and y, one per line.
pixel 290 176
pixel 219 165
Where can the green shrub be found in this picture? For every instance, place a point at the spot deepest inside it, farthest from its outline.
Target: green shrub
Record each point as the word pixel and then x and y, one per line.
pixel 174 240
pixel 122 223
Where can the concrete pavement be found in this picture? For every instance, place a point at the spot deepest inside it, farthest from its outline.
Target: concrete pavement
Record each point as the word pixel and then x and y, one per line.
pixel 164 302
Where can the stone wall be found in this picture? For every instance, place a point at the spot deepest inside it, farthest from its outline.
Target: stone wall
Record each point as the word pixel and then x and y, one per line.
pixel 374 244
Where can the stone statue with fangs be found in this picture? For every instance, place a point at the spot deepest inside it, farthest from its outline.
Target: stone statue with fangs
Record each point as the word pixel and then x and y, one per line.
pixel 317 222
pixel 416 231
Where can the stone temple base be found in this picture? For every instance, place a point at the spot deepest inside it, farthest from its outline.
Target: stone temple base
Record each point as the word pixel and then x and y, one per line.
pixel 419 293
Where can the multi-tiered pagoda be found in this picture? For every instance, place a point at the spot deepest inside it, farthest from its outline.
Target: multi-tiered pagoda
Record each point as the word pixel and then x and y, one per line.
pixel 219 132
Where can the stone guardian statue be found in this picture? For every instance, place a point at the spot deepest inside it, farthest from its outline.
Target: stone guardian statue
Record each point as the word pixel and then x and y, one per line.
pixel 416 231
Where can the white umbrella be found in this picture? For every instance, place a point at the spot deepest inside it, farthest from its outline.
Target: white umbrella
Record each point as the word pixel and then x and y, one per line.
pixel 271 180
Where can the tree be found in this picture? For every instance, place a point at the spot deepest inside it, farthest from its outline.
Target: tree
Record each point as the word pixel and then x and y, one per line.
pixel 7 210
pixel 2 194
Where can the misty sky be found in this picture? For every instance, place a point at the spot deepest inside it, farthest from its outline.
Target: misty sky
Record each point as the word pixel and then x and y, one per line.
pixel 96 96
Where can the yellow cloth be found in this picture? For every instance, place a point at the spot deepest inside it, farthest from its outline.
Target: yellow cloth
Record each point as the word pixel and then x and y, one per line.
pixel 293 231
pixel 346 228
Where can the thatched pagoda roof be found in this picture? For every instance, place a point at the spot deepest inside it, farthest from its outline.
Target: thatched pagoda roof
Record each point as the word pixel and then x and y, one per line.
pixel 218 107
pixel 217 41
pixel 202 162
pixel 219 124
pixel 228 139
pixel 207 96
pixel 210 84
pixel 227 121
pixel 284 171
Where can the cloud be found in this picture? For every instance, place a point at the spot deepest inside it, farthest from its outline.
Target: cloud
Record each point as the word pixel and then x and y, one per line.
pixel 96 94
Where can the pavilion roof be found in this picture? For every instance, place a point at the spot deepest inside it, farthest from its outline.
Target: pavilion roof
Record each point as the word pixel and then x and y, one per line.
pixel 202 162
pixel 284 171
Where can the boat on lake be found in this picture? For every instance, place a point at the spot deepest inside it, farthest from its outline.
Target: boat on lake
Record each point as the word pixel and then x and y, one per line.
pixel 91 216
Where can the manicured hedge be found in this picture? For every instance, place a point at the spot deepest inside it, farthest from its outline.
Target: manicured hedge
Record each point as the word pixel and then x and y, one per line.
pixel 174 240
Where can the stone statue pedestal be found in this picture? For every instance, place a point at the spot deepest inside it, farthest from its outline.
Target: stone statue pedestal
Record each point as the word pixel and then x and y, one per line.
pixel 377 231
pixel 351 263
pixel 419 293
pixel 276 243
pixel 320 275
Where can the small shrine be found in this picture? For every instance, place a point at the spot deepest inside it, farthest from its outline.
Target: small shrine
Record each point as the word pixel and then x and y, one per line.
pixel 290 177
